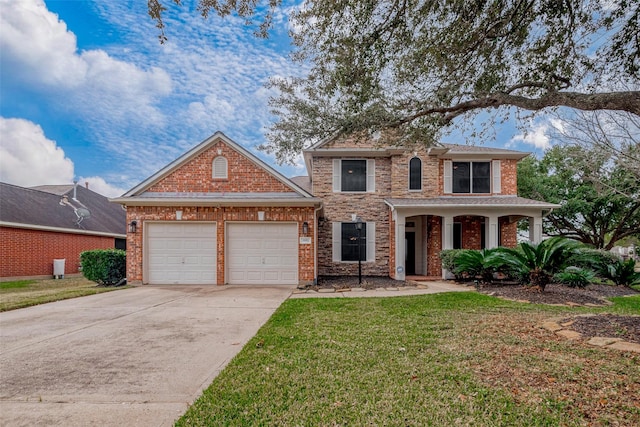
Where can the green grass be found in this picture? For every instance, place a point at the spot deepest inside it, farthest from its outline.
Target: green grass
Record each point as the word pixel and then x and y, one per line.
pixel 25 293
pixel 444 359
pixel 17 284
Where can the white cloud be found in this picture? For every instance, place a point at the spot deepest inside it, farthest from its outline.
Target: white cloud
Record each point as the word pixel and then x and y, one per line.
pixel 536 136
pixel 38 50
pixel 28 158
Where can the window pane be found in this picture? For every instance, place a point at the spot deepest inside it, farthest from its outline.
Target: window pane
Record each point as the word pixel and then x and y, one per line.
pixel 481 177
pixel 415 174
pixel 350 242
pixel 354 175
pixel 461 177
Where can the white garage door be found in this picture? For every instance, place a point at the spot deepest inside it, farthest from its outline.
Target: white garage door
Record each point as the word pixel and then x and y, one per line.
pixel 181 253
pixel 263 253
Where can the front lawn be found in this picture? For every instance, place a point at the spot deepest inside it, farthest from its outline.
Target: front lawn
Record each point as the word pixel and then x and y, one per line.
pixel 25 293
pixel 441 360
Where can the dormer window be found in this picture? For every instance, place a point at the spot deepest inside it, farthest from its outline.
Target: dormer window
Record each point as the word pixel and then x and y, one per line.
pixel 415 174
pixel 220 168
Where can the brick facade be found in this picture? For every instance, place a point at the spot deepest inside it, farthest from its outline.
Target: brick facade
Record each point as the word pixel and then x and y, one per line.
pixel 195 176
pixel 135 241
pixel 31 252
pixel 244 175
pixel 392 181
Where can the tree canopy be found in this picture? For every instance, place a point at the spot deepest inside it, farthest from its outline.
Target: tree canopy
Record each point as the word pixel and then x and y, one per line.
pixel 600 197
pixel 410 70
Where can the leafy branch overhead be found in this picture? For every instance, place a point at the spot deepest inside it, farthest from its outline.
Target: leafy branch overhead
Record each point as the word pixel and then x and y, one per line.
pixel 413 68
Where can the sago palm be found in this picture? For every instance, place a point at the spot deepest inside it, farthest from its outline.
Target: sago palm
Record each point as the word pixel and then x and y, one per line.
pixel 537 263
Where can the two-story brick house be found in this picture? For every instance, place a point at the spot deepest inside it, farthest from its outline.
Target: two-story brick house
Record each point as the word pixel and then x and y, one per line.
pixel 414 204
pixel 219 215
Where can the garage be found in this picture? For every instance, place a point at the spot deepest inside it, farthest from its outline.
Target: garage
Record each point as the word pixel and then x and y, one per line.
pixel 262 253
pixel 181 253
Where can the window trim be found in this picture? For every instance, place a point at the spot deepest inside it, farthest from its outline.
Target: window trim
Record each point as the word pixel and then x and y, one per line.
pixel 370 172
pixel 419 172
pixel 370 243
pixel 494 167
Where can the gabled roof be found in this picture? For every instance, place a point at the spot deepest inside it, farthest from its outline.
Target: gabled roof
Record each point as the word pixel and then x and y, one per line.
pixel 37 209
pixel 140 196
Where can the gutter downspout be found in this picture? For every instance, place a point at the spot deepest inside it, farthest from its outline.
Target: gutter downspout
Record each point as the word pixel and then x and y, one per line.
pixel 315 244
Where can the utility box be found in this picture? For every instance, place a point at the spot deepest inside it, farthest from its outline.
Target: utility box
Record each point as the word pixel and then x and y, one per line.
pixel 58 268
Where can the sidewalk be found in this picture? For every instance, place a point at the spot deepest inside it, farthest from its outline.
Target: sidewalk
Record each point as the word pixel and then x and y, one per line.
pixel 422 288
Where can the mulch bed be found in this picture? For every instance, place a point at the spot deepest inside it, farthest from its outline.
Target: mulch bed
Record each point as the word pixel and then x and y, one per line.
pixel 626 328
pixel 559 294
pixel 368 282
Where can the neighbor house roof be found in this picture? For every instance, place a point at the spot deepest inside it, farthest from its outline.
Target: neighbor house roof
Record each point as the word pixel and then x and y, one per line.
pixel 53 208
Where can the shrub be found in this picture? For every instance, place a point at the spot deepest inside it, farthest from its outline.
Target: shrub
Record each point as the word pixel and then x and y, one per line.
pixel 623 273
pixel 575 277
pixel 449 257
pixel 478 264
pixel 106 267
pixel 536 264
pixel 597 260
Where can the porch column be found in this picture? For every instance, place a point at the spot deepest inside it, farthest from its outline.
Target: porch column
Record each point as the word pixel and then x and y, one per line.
pixel 493 232
pixel 400 246
pixel 447 232
pixel 535 229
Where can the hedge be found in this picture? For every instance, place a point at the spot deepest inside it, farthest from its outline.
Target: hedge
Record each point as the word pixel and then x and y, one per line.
pixel 107 267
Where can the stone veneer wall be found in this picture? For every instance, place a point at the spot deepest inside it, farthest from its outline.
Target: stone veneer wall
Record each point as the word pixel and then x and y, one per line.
pixel 338 207
pixel 141 214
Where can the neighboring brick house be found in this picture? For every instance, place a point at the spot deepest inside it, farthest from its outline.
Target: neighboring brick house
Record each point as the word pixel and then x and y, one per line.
pixel 219 215
pixel 40 224
pixel 414 203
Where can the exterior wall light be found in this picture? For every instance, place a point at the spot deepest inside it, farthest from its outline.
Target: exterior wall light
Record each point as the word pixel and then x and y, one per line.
pixel 133 226
pixel 305 228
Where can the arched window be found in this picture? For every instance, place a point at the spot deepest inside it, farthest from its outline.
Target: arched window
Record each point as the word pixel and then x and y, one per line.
pixel 415 174
pixel 220 168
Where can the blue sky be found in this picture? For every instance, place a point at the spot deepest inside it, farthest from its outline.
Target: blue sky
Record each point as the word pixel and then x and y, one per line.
pixel 87 92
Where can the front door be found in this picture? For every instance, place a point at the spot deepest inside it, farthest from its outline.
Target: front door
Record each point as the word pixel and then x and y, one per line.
pixel 410 251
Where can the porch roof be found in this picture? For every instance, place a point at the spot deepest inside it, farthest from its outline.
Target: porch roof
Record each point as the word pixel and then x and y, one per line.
pixel 444 202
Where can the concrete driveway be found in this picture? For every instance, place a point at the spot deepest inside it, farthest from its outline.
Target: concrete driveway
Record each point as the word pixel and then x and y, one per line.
pixel 133 357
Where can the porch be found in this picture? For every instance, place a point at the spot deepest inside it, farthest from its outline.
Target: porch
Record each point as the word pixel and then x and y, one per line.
pixel 421 228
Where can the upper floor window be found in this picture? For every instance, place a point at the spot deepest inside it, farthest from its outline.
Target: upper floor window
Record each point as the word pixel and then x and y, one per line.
pixel 351 175
pixel 415 174
pixel 472 177
pixel 220 168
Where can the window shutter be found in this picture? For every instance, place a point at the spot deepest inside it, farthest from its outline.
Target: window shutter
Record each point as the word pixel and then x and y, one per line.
pixel 448 172
pixel 337 241
pixel 371 176
pixel 497 176
pixel 371 241
pixel 336 175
